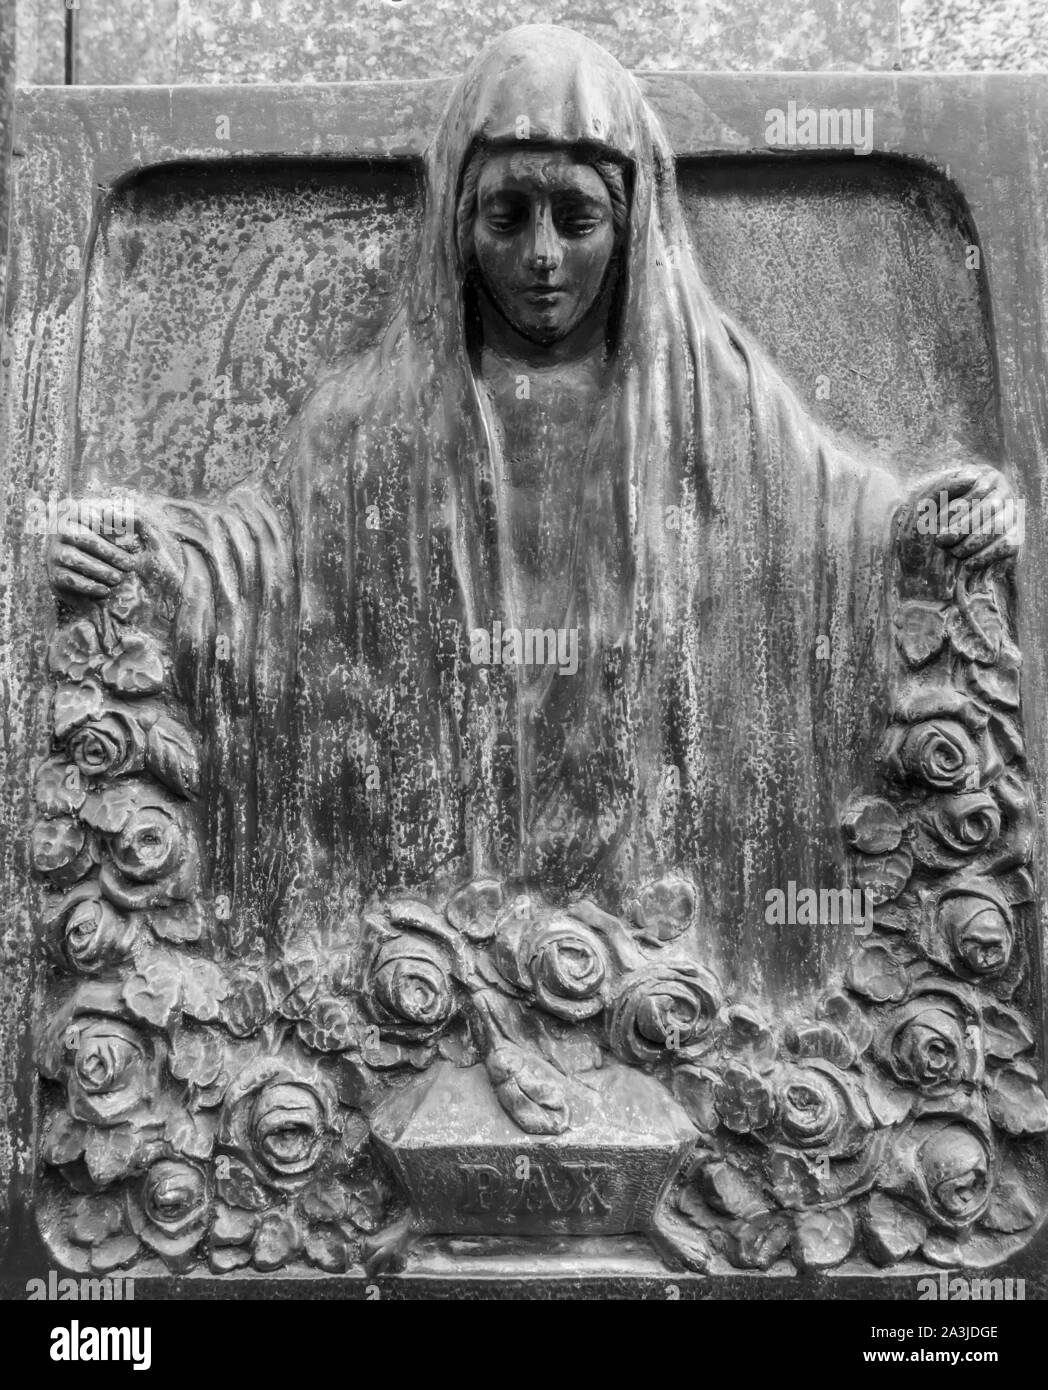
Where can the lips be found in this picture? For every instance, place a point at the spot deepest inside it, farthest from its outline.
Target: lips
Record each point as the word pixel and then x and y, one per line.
pixel 542 295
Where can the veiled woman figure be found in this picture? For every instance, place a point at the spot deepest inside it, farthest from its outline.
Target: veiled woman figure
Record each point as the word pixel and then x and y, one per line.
pixel 558 430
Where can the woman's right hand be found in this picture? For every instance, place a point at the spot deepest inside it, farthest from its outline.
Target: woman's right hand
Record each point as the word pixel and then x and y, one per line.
pixel 96 544
pixel 81 557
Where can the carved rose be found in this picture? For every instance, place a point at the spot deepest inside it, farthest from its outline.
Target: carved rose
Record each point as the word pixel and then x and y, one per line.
pixel 818 1106
pixel 938 752
pixel 409 989
pixel 109 746
pixel 152 859
pixel 169 1210
pixel 951 1169
pixel 74 650
pixel 663 1009
pixel 809 1107
pixel 95 936
pixel 924 1044
pixel 279 1119
pixel 978 930
pixel 112 1071
pixel 558 959
pixel 952 829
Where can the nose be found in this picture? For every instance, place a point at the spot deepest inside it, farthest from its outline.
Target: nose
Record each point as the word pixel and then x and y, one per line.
pixel 545 252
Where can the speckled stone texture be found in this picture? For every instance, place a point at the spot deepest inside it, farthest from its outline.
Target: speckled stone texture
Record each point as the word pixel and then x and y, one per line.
pixel 131 41
pixel 974 35
pixel 7 61
pixel 243 40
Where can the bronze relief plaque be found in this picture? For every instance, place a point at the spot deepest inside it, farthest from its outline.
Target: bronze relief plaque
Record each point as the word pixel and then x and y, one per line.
pixel 524 730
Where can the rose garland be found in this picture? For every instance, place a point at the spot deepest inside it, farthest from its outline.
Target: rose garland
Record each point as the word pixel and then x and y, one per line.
pixel 214 1110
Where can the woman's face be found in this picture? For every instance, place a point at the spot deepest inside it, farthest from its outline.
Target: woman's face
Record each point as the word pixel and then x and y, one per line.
pixel 543 237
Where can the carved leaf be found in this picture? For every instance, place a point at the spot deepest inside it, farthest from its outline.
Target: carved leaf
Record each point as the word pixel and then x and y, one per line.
pixel 793 1180
pixel 190 1135
pixel 232 1225
pixel 997 684
pixel 330 1251
pixel 975 629
pixel 1016 1103
pixel 696 1088
pixel 294 983
pixel 328 1027
pixel 822 1239
pixel 236 1185
pixel 1011 1207
pixel 226 1258
pixel 888 1104
pixel 136 667
pixel 197 1055
pixel 355 1132
pixel 172 758
pixel 56 844
pixel 185 922
pixel 94 1219
pixel 203 989
pixel 973 1249
pixel 74 650
pixel 366 1207
pixel 246 1006
pixel 75 705
pixel 920 630
pixel 276 1240
pixel 1006 732
pixel 59 788
pixel 107 810
pixel 758 1243
pixel 820 1040
pixel 62 1140
pixel 871 825
pixel 474 909
pixel 324 1202
pixel 154 992
pixel 876 973
pixel 838 1009
pixel 111 1154
pixel 751 1038
pixel 1005 1033
pixel 881 876
pixel 893 1230
pixel 682 1242
pixel 116 1253
pixel 732 1192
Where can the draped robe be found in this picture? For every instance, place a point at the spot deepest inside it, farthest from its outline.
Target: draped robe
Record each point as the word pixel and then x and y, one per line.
pixel 727 575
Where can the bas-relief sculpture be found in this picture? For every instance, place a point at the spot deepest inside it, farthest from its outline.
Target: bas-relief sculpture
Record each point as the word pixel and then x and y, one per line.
pixel 413 810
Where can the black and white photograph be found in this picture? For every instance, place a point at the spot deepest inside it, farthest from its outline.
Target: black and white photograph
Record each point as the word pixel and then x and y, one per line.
pixel 523 672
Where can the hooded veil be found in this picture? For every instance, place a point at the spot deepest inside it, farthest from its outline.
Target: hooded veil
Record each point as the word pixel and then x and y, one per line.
pixel 726 577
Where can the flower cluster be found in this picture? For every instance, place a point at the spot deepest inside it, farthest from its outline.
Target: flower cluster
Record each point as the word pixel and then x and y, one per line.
pixel 198 1118
pixel 208 1108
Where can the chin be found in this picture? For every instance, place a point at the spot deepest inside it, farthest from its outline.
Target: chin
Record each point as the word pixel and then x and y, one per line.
pixel 543 330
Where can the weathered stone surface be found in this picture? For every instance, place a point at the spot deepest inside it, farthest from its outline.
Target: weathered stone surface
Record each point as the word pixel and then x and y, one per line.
pixel 221 1068
pixel 366 39
pixel 116 42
